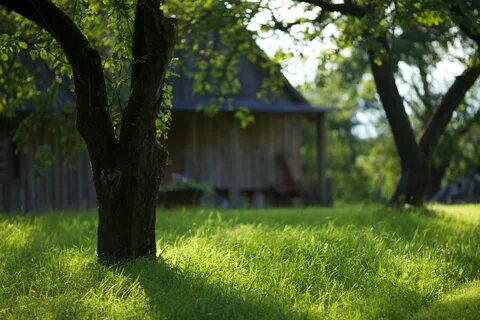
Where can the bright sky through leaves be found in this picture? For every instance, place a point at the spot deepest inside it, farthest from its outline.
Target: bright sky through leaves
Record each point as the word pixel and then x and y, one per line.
pixel 303 64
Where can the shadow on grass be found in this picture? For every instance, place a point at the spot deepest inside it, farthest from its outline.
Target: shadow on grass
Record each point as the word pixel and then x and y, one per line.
pixel 422 228
pixel 176 295
pixel 55 258
pixel 463 303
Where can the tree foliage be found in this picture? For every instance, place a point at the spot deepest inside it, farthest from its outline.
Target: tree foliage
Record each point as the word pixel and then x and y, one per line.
pixel 35 75
pixel 388 33
pixel 119 55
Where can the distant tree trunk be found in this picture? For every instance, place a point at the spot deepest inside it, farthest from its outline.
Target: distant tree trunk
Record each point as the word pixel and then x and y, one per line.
pixel 440 119
pixel 434 184
pixel 415 158
pixel 126 169
pixel 411 184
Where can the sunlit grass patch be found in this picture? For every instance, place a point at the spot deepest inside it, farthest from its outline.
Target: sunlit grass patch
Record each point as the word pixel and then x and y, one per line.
pixel 350 262
pixel 461 303
pixel 54 273
pixel 468 213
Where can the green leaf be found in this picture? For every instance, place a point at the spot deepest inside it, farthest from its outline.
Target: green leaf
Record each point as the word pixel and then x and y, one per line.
pixel 378 61
pixel 43 54
pixel 3 56
pixel 22 45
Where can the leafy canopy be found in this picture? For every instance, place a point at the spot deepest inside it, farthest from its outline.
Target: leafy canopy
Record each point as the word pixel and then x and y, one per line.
pixel 35 75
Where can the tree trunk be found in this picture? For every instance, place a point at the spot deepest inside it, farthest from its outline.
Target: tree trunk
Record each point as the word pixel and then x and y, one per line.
pixel 126 169
pixel 127 191
pixel 410 187
pixel 412 184
pixel 436 177
pixel 127 198
pixel 415 158
pixel 440 119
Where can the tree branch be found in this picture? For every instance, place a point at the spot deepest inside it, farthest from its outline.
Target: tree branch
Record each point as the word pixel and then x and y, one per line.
pixel 93 121
pixel 154 38
pixel 444 112
pixel 427 96
pixel 283 26
pixel 383 74
pixel 347 7
pixel 470 28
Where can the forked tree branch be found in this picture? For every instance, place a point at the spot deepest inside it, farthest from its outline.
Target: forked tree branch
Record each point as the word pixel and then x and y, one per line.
pixel 347 7
pixel 444 112
pixel 93 121
pixel 154 38
pixel 403 134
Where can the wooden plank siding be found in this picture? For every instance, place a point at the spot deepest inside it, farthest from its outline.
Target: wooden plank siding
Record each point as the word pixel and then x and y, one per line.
pixel 59 186
pixel 203 153
pixel 200 149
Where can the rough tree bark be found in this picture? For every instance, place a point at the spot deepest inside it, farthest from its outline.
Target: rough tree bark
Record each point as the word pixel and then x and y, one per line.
pixel 126 169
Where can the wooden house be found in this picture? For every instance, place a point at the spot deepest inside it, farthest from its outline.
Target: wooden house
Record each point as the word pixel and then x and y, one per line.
pixel 256 165
pixel 253 165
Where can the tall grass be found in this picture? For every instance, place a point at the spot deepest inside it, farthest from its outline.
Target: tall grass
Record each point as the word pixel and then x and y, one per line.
pixel 350 262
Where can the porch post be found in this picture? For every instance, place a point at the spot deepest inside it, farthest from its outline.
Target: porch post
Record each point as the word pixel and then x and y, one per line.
pixel 234 157
pixel 320 121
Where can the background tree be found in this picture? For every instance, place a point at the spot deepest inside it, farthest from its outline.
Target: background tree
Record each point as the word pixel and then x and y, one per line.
pixel 344 79
pixel 375 27
pixel 343 83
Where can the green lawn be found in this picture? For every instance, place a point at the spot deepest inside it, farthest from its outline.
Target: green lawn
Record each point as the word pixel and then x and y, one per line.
pixel 350 262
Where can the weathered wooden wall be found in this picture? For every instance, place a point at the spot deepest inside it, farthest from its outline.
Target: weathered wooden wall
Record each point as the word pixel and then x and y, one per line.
pixel 203 151
pixel 29 187
pixel 200 147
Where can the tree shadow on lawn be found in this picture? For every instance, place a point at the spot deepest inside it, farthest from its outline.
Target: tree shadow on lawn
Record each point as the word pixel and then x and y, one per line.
pixel 55 258
pixel 462 303
pixel 174 294
pixel 54 242
pixel 462 308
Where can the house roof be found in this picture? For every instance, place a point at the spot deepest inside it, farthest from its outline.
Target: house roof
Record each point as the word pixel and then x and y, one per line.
pixel 252 77
pixel 254 105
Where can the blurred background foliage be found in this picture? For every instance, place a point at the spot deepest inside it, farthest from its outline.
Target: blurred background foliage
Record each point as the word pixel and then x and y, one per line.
pixel 36 80
pixel 363 164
